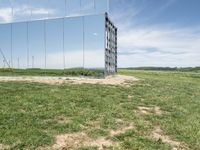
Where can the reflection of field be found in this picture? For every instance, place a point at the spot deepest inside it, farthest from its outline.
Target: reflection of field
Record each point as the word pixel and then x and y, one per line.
pixel 158 111
pixel 52 72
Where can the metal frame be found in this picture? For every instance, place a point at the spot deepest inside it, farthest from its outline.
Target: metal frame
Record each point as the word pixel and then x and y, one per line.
pixel 110 47
pixel 110 40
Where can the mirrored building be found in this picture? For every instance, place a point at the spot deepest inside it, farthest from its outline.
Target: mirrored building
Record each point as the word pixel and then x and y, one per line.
pixel 57 34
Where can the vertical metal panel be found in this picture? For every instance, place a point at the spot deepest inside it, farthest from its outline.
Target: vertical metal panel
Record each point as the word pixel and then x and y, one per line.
pixel 111 47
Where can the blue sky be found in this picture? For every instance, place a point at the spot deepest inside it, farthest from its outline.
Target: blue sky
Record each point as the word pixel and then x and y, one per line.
pixel 151 32
pixel 157 32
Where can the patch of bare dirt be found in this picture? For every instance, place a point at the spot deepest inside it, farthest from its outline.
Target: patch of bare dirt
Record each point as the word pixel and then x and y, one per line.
pixel 77 140
pixel 158 134
pixel 4 147
pixel 149 110
pixel 110 80
pixel 144 110
pixel 121 130
pixel 130 97
pixel 157 110
pixel 81 139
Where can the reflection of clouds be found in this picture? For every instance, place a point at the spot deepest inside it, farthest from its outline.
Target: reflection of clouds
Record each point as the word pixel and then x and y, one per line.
pixel 95 34
pixel 23 11
pixel 6 14
pixel 74 59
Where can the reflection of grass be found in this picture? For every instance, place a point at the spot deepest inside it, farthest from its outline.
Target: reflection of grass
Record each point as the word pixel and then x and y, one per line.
pixel 51 72
pixel 30 112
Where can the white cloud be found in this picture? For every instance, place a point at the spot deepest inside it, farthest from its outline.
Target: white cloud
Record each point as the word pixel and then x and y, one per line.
pixel 159 47
pixel 154 45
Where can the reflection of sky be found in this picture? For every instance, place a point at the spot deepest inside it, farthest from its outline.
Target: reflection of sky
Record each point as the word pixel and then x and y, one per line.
pixel 75 50
pixel 83 37
pixel 24 10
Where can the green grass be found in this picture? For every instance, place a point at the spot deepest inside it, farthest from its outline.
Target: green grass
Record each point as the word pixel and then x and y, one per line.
pixel 187 69
pixel 29 111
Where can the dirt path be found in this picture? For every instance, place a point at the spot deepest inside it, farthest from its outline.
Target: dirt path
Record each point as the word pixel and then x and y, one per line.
pixel 110 80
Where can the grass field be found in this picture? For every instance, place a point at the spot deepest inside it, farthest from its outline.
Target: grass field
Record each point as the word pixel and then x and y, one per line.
pixel 160 111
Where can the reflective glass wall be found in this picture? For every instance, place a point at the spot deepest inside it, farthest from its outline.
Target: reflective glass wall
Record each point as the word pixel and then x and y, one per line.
pixel 26 10
pixel 70 42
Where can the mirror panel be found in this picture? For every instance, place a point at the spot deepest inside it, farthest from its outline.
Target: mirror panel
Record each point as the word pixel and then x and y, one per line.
pixel 19 44
pixel 74 42
pixel 88 6
pixel 21 10
pixel 102 6
pixel 24 10
pixel 54 44
pixel 36 45
pixel 94 41
pixel 5 11
pixel 58 8
pixel 40 9
pixel 73 7
pixel 5 45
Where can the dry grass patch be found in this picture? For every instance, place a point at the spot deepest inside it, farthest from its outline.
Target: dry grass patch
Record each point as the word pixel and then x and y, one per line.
pixel 77 140
pixel 158 134
pixel 4 147
pixel 121 130
pixel 130 97
pixel 81 139
pixel 150 110
pixel 110 80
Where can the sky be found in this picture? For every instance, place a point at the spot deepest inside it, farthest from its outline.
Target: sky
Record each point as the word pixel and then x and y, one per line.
pixel 163 33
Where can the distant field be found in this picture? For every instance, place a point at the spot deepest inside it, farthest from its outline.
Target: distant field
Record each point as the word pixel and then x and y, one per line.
pixel 187 69
pixel 160 111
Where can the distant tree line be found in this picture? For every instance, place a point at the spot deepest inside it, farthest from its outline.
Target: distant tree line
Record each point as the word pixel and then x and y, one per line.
pixel 196 69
